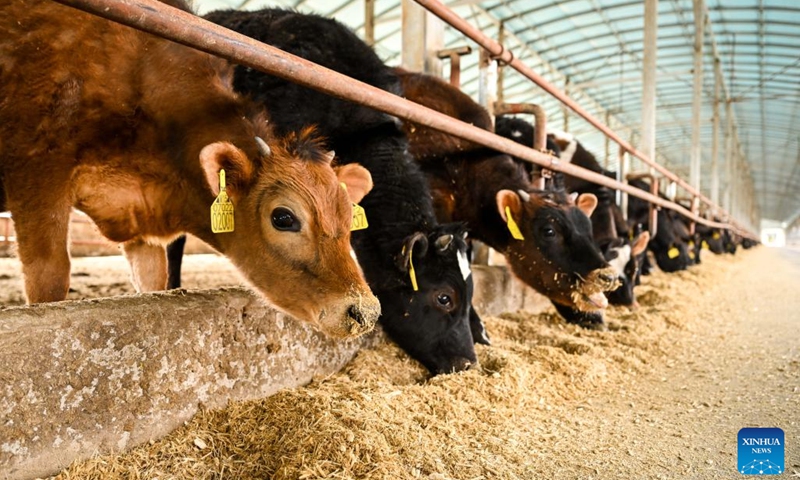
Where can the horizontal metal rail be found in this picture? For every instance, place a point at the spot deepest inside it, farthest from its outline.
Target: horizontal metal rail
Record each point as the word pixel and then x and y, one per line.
pixel 168 22
pixel 504 55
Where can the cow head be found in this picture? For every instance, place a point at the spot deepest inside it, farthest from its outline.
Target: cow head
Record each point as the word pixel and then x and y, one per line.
pixel 291 236
pixel 729 241
pixel 710 238
pixel 625 258
pixel 669 249
pixel 435 323
pixel 554 251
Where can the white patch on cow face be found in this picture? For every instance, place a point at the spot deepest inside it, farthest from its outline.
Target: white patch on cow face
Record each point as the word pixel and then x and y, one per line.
pixel 569 152
pixel 463 265
pixel 561 135
pixel 623 257
pixel 516 133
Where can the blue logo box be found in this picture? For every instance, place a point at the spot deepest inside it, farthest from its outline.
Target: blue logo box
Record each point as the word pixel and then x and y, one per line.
pixel 761 451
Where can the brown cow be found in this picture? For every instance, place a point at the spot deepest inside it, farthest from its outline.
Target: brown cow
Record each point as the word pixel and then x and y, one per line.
pixel 134 130
pixel 555 253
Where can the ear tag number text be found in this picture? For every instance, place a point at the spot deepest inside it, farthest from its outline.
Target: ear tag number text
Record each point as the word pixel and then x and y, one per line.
pixel 222 209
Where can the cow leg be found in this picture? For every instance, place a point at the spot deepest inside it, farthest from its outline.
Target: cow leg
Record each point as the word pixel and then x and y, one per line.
pixel 174 261
pixel 148 265
pixel 42 236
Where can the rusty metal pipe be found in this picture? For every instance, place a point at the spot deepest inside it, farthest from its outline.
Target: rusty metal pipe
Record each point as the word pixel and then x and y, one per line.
pixel 652 215
pixel 539 120
pixel 168 22
pixel 502 54
pixel 454 54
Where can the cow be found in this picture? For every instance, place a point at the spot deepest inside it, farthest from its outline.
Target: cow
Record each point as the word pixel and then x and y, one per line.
pixel 415 265
pixel 147 138
pixel 609 228
pixel 544 235
pixel 669 249
pixel 709 238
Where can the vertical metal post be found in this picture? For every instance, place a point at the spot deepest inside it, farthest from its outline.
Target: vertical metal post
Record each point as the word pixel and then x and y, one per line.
pixel 622 172
pixel 697 94
pixel 715 141
pixel 653 209
pixel 413 28
pixel 423 36
pixel 650 55
pixel 501 39
pixel 369 22
pixel 564 108
pixel 607 145
pixel 729 145
pixel 487 82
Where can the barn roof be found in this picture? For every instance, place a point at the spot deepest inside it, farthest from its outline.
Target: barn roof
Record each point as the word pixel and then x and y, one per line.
pixel 596 46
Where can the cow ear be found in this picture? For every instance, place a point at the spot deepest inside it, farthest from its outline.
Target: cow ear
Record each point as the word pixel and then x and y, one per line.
pixel 356 179
pixel 510 199
pixel 239 170
pixel 640 243
pixel 587 203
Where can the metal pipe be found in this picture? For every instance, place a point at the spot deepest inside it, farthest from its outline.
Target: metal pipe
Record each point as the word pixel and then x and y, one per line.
pixel 369 22
pixel 715 140
pixel 501 53
pixel 622 171
pixel 454 54
pixel 649 79
pixel 168 22
pixel 539 120
pixel 695 158
pixel 539 180
pixel 501 37
pixel 413 36
pixel 652 213
pixel 487 78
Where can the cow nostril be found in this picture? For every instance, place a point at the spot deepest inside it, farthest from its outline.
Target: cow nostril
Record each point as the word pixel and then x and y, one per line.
pixel 355 313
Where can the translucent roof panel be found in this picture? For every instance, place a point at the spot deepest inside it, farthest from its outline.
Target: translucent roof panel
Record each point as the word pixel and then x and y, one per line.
pixel 596 47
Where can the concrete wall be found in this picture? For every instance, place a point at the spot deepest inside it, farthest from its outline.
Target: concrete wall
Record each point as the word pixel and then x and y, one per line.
pixel 105 375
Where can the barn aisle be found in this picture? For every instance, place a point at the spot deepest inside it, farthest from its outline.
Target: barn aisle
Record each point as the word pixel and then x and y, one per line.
pixel 738 365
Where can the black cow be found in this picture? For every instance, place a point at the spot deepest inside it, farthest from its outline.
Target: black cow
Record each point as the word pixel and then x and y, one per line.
pixel 404 247
pixel 670 250
pixel 609 228
pixel 553 250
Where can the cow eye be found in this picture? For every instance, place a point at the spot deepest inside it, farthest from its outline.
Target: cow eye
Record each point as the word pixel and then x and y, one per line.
pixel 284 220
pixel 444 300
pixel 549 231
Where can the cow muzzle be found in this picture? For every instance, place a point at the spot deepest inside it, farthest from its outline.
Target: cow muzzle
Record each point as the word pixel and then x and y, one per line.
pixel 588 295
pixel 355 316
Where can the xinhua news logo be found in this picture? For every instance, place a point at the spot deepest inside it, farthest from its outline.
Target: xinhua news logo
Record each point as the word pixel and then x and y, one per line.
pixel 761 451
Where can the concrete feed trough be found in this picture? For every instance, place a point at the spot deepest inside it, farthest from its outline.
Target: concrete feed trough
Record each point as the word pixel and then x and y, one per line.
pixel 104 375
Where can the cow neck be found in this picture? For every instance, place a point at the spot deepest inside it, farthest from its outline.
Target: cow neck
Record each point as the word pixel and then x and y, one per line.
pixel 477 181
pixel 398 205
pixel 186 122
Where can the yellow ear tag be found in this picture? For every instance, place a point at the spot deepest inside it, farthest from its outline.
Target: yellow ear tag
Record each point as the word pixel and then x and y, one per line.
pixel 673 252
pixel 715 236
pixel 704 245
pixel 691 244
pixel 222 209
pixel 512 225
pixel 411 273
pixel 359 221
pixel 691 254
